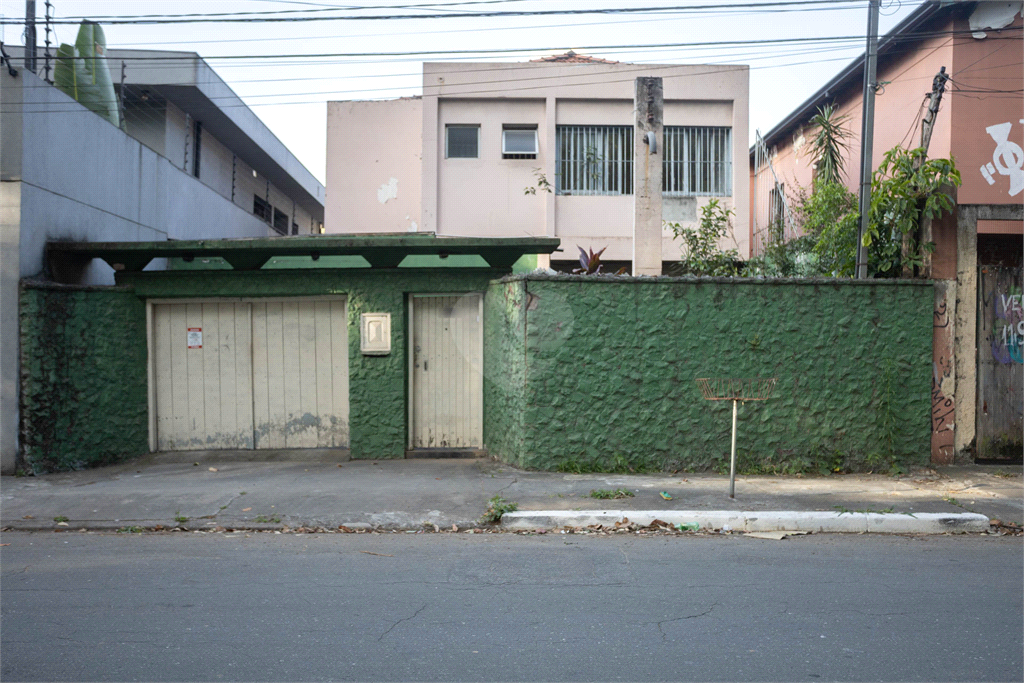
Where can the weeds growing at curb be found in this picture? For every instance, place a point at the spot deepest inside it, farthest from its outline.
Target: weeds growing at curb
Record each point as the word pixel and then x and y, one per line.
pixel 605 494
pixel 496 507
pixel 180 518
pixel 130 530
pixel 263 519
pixel 60 518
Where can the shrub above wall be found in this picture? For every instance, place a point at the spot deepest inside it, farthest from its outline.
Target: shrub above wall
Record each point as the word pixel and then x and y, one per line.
pixel 608 367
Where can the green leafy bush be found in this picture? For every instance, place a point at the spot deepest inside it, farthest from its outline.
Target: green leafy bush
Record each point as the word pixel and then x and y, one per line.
pixel 701 253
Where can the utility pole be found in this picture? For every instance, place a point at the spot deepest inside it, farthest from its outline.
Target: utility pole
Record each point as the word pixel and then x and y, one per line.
pixel 48 14
pixel 124 125
pixel 928 123
pixel 648 107
pixel 867 133
pixel 924 228
pixel 30 35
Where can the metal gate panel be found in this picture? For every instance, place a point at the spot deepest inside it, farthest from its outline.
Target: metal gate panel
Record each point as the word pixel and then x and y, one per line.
pixel 1000 427
pixel 202 396
pixel 446 378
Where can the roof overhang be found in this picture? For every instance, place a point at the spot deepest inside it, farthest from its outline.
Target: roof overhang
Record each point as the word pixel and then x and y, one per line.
pixel 379 250
pixel 188 82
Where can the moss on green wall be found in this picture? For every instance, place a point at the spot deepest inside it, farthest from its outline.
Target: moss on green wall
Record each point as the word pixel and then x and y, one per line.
pixel 610 368
pixel 378 406
pixel 83 377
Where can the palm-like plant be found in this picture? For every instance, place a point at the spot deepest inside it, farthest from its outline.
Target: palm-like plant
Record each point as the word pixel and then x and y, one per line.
pixel 829 145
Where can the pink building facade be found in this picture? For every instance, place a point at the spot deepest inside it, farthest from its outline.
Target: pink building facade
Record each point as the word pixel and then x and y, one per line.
pixel 980 123
pixel 539 148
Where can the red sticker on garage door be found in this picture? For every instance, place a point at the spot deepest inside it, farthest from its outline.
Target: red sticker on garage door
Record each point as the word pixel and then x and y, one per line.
pixel 195 337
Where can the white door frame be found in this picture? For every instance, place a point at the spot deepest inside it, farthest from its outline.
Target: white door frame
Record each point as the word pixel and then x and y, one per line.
pixel 410 350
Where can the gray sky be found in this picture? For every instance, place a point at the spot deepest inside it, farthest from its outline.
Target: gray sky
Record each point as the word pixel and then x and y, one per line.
pixel 290 94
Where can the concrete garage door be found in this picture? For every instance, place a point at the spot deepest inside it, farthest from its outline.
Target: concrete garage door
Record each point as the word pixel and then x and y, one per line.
pixel 249 374
pixel 446 379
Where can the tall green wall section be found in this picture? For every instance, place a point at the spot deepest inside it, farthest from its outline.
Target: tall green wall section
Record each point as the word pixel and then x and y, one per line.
pixel 83 384
pixel 608 368
pixel 377 384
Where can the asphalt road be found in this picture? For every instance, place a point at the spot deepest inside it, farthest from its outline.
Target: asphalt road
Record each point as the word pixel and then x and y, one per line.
pixel 218 607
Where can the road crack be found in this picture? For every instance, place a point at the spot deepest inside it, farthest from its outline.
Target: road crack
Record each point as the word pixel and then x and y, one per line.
pixel 409 618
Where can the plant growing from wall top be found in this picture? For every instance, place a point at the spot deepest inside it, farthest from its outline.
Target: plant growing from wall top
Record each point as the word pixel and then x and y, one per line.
pixel 590 263
pixel 701 253
pixel 81 72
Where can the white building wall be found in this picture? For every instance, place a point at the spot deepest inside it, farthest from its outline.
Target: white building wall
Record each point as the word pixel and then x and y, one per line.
pixel 67 174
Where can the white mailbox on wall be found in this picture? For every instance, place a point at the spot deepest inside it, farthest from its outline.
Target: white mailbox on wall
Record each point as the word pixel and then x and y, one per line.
pixel 375 334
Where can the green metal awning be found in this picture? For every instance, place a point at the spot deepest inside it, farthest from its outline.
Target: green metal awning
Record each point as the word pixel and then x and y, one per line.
pixel 379 250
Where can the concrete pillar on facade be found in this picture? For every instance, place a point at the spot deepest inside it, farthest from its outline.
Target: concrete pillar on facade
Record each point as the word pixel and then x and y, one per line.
pixel 550 168
pixel 430 163
pixel 965 339
pixel 648 108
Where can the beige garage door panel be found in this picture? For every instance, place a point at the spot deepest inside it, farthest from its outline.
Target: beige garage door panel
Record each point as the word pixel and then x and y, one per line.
pixel 203 395
pixel 300 374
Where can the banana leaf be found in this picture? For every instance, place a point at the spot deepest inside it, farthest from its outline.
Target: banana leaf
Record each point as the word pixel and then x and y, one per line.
pixel 81 72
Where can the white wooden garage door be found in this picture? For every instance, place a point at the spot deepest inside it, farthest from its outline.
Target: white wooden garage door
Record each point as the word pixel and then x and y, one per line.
pixel 269 373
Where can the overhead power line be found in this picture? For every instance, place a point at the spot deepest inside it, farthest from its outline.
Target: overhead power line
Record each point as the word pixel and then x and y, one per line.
pixel 906 37
pixel 247 17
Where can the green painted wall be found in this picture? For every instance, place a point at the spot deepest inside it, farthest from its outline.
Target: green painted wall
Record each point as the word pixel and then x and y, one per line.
pixel 504 366
pixel 377 384
pixel 609 369
pixel 83 381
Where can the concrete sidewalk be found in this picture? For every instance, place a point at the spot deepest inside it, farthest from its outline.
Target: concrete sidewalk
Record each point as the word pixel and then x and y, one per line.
pixel 407 494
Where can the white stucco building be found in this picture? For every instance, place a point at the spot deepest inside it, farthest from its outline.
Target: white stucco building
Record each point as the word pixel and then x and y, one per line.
pixel 193 162
pixel 459 159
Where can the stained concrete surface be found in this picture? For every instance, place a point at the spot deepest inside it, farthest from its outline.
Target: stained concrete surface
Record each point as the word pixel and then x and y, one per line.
pixel 403 493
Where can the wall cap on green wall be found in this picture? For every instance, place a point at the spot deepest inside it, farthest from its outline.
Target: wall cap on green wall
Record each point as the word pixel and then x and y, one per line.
pixel 689 279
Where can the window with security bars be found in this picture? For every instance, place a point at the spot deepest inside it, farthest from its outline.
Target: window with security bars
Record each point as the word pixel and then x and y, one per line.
pixel 594 160
pixel 698 161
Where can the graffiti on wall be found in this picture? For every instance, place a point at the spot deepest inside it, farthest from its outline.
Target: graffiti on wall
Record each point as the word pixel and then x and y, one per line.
pixel 943 411
pixel 1007 338
pixel 1007 158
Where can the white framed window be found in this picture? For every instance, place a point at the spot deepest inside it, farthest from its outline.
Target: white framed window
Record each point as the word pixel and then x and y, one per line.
pixel 519 142
pixel 462 141
pixel 594 160
pixel 698 161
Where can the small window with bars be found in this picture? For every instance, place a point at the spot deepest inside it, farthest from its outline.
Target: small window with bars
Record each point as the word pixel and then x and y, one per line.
pixel 594 160
pixel 462 142
pixel 698 161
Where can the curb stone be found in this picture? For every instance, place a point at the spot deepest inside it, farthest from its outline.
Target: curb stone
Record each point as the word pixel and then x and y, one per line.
pixel 820 522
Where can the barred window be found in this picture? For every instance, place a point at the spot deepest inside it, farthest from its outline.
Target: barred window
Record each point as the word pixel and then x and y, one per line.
pixel 280 221
pixel 698 161
pixel 594 160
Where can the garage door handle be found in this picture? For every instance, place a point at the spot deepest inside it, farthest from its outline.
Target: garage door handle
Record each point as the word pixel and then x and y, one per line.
pixel 424 366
